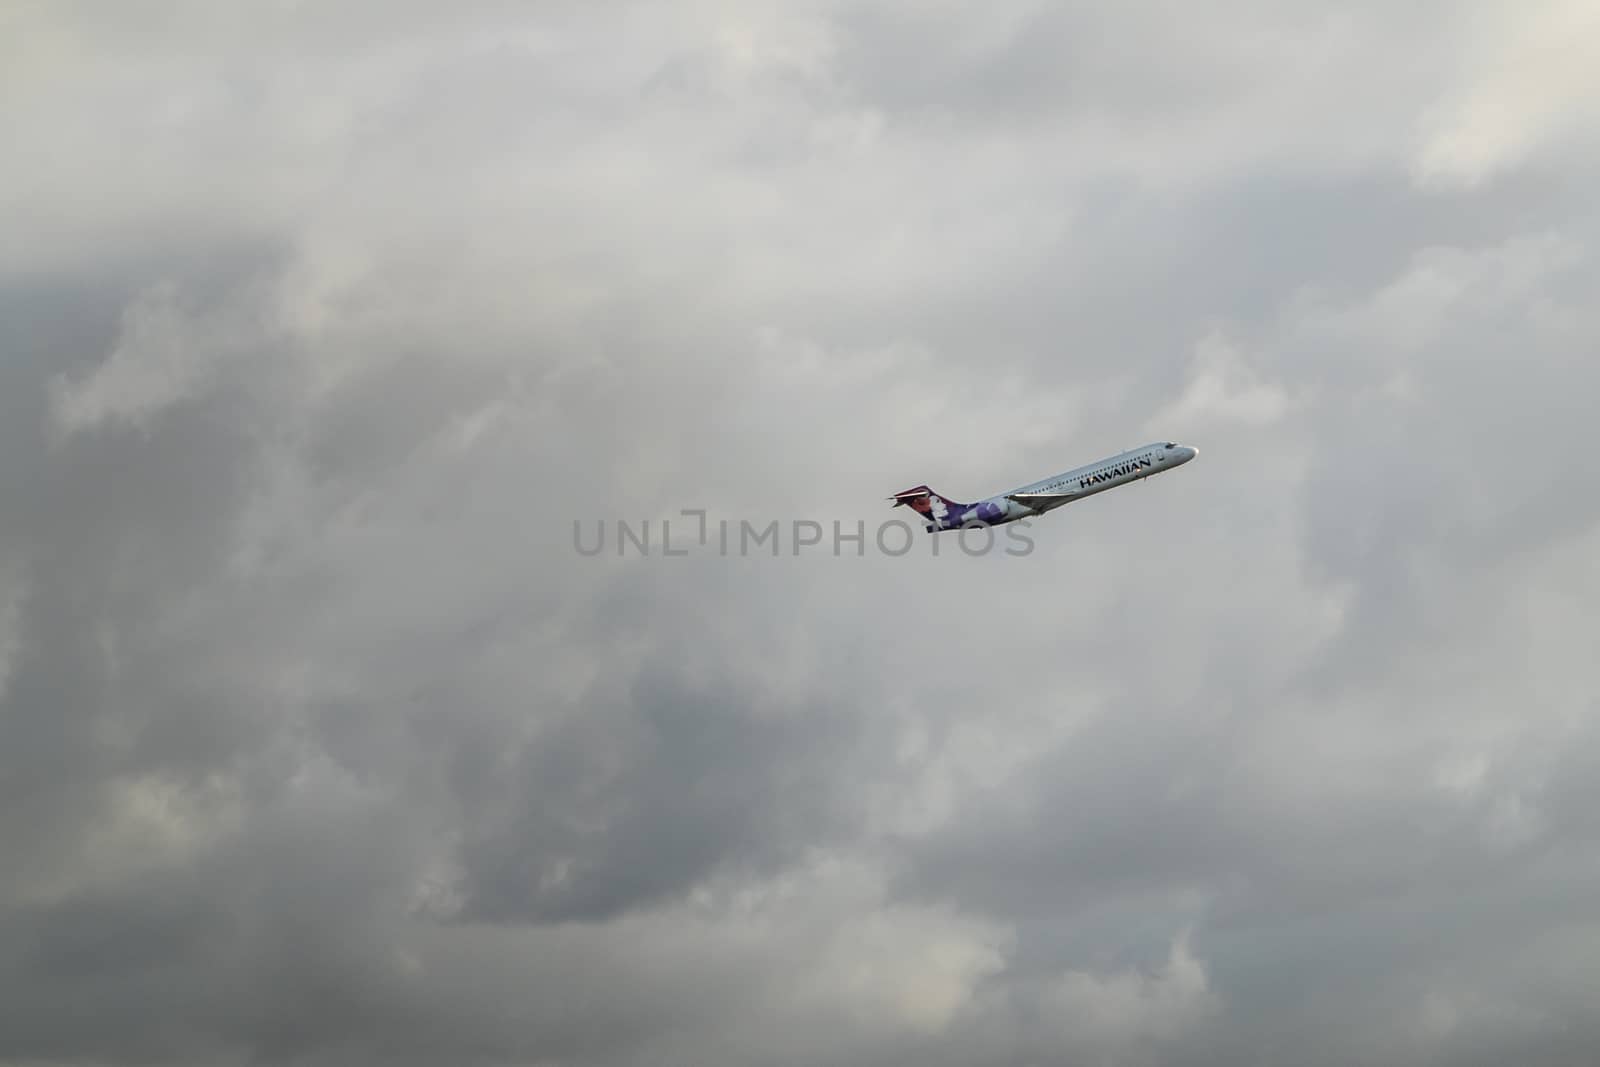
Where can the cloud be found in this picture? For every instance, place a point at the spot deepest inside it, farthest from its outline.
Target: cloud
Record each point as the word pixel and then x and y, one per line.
pixel 1532 94
pixel 1223 388
pixel 153 365
pixel 1129 1006
pixel 319 743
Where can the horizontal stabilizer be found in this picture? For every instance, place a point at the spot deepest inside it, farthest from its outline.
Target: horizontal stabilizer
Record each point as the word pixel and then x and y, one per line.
pixel 924 501
pixel 908 495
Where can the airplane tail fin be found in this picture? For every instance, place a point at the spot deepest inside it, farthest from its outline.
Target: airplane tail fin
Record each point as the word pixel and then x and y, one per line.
pixel 930 505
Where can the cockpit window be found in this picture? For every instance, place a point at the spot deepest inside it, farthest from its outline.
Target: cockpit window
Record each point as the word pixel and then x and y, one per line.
pixel 1172 444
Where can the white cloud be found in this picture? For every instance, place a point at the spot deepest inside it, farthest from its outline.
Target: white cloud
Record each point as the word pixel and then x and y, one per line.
pixel 161 357
pixel 1223 388
pixel 1531 83
pixel 1120 1013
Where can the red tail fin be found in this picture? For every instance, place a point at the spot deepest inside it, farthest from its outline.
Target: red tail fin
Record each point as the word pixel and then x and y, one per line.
pixel 926 502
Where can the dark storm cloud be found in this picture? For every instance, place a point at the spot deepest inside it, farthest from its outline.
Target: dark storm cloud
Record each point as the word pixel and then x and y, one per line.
pixel 319 743
pixel 618 810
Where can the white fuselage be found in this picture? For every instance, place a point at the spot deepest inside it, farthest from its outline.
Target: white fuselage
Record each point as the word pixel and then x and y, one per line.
pixel 1079 482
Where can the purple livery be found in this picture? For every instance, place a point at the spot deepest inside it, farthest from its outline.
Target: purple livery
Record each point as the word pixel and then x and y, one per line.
pixel 942 513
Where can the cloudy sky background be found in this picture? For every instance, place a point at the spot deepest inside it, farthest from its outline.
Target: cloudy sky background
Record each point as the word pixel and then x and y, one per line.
pixel 320 745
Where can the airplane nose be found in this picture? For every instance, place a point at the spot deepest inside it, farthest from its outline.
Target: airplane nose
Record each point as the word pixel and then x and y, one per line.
pixel 1190 452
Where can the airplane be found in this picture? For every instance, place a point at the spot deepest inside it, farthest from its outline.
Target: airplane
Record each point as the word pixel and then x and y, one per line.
pixel 1036 498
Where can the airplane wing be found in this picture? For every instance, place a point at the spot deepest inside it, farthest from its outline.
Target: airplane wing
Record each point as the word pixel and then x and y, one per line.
pixel 1040 502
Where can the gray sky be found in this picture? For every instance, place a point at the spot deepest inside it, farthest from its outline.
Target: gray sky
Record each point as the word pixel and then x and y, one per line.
pixel 319 743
